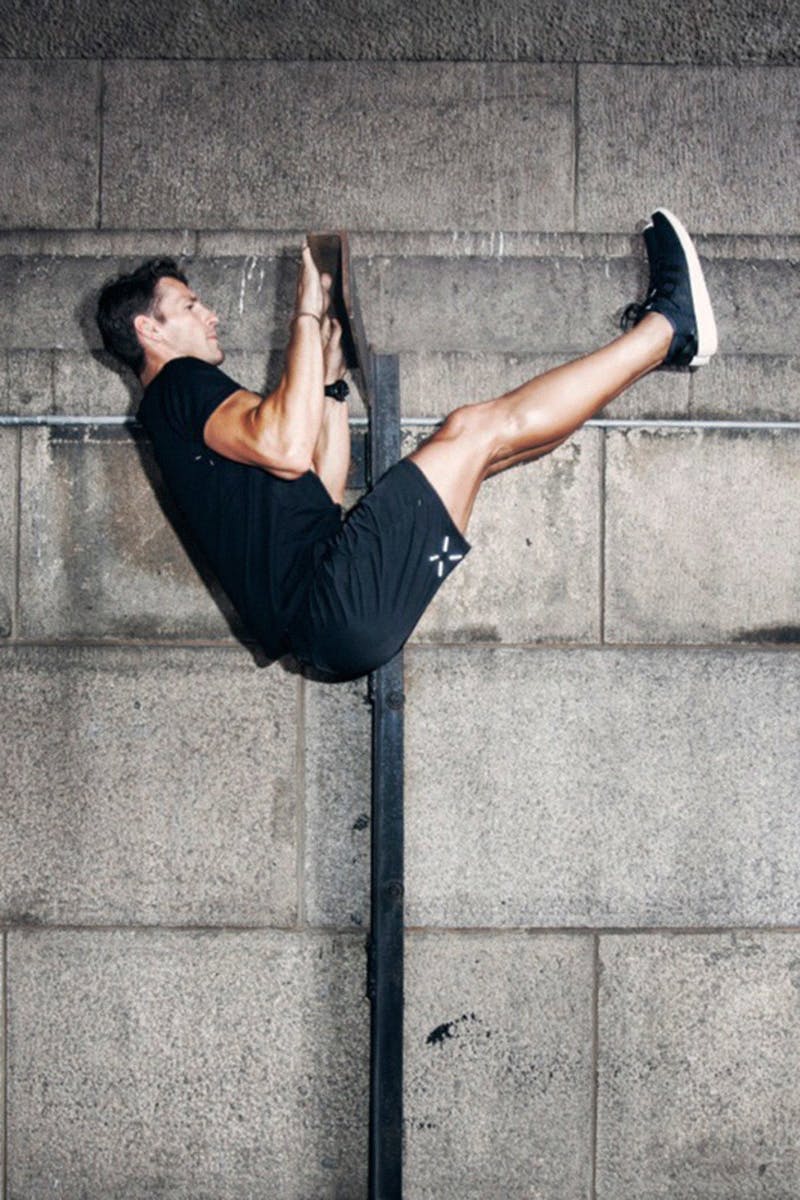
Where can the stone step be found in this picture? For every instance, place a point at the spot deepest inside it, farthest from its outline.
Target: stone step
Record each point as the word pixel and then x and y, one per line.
pixel 468 321
pixel 562 549
pixel 749 387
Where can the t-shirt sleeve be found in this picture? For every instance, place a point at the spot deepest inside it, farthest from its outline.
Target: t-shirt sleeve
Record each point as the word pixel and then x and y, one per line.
pixel 192 390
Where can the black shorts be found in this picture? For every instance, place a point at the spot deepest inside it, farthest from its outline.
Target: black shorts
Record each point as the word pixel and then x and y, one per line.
pixel 376 576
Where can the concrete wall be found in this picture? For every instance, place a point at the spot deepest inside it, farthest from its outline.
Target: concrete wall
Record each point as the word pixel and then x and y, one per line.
pixel 603 854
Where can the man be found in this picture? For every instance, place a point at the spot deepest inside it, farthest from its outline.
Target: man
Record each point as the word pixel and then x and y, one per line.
pixel 261 479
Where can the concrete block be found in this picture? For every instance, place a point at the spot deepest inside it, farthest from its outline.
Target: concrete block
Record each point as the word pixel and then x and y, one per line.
pixel 498 1072
pixel 748 387
pixel 50 301
pixel 9 457
pixel 641 144
pixel 93 384
pixel 50 129
pixel 601 787
pixel 698 1045
pixel 199 1066
pixel 501 30
pixel 538 306
pixel 561 306
pixel 433 384
pixel 337 723
pixel 701 538
pixel 27 381
pixel 147 786
pixel 375 145
pixel 533 573
pixel 756 305
pixel 98 554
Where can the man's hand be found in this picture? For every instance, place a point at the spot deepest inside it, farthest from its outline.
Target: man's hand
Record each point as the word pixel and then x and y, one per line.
pixel 313 289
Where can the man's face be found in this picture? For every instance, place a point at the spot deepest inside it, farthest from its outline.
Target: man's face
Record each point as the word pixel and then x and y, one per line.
pixel 186 325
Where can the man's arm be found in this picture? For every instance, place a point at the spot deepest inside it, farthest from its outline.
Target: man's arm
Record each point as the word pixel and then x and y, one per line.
pixel 281 431
pixel 331 458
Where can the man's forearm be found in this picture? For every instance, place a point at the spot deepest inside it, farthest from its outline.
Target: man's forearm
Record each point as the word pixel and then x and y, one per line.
pixel 331 457
pixel 299 399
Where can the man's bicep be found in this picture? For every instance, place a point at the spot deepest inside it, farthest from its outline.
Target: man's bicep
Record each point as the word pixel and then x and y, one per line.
pixel 242 428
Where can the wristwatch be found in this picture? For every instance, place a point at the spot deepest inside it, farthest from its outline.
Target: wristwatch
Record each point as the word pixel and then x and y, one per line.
pixel 337 391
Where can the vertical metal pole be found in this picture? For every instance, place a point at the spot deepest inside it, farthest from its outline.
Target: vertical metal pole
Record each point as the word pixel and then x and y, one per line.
pixel 386 922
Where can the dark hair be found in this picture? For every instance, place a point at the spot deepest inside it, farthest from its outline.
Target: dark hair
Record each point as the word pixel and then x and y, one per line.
pixel 125 297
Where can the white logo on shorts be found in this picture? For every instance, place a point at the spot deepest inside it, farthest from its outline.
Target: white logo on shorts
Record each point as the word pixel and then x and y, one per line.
pixel 442 557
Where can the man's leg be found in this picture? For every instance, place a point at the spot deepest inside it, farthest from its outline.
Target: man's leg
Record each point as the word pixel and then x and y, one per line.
pixel 674 325
pixel 481 439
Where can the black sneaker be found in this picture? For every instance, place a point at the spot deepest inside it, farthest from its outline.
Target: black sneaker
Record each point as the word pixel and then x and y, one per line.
pixel 678 291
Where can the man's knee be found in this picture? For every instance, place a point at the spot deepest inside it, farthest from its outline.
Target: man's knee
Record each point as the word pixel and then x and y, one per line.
pixel 484 427
pixel 468 422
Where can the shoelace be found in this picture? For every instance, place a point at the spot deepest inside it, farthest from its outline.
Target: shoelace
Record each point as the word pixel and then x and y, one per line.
pixel 669 277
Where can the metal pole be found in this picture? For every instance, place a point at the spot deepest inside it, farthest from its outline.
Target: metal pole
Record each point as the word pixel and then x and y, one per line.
pixel 386 921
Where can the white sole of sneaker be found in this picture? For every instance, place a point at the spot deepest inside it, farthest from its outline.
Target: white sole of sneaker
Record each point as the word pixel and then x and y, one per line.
pixel 706 325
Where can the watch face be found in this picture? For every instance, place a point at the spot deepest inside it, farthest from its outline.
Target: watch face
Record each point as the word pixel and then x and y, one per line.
pixel 339 390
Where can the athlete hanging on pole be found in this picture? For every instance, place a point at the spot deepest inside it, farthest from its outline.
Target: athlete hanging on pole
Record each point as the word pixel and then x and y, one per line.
pixel 261 479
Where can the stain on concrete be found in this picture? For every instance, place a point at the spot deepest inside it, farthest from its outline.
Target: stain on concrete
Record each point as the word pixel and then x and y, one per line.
pixel 449 1029
pixel 471 633
pixel 437 1036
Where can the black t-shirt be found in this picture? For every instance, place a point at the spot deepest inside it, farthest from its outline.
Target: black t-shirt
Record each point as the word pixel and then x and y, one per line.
pixel 261 535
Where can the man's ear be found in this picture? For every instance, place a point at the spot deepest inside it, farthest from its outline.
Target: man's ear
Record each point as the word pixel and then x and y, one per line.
pixel 146 327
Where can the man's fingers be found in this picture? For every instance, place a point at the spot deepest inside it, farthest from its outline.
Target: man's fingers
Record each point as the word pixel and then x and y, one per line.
pixel 310 294
pixel 335 336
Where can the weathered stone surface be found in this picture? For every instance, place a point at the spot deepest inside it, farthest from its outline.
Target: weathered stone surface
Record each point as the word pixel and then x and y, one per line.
pixel 748 387
pixel 98 554
pixel 9 454
pixel 533 573
pixel 377 145
pixel 52 300
pixel 544 31
pixel 146 786
pixel 49 143
pixel 734 169
pixel 433 384
pixel 698 1048
pixel 601 787
pixel 200 1066
pixel 530 305
pixel 27 381
pixel 337 723
pixel 3 1067
pixel 506 306
pixel 701 536
pixel 91 384
pixel 498 1072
